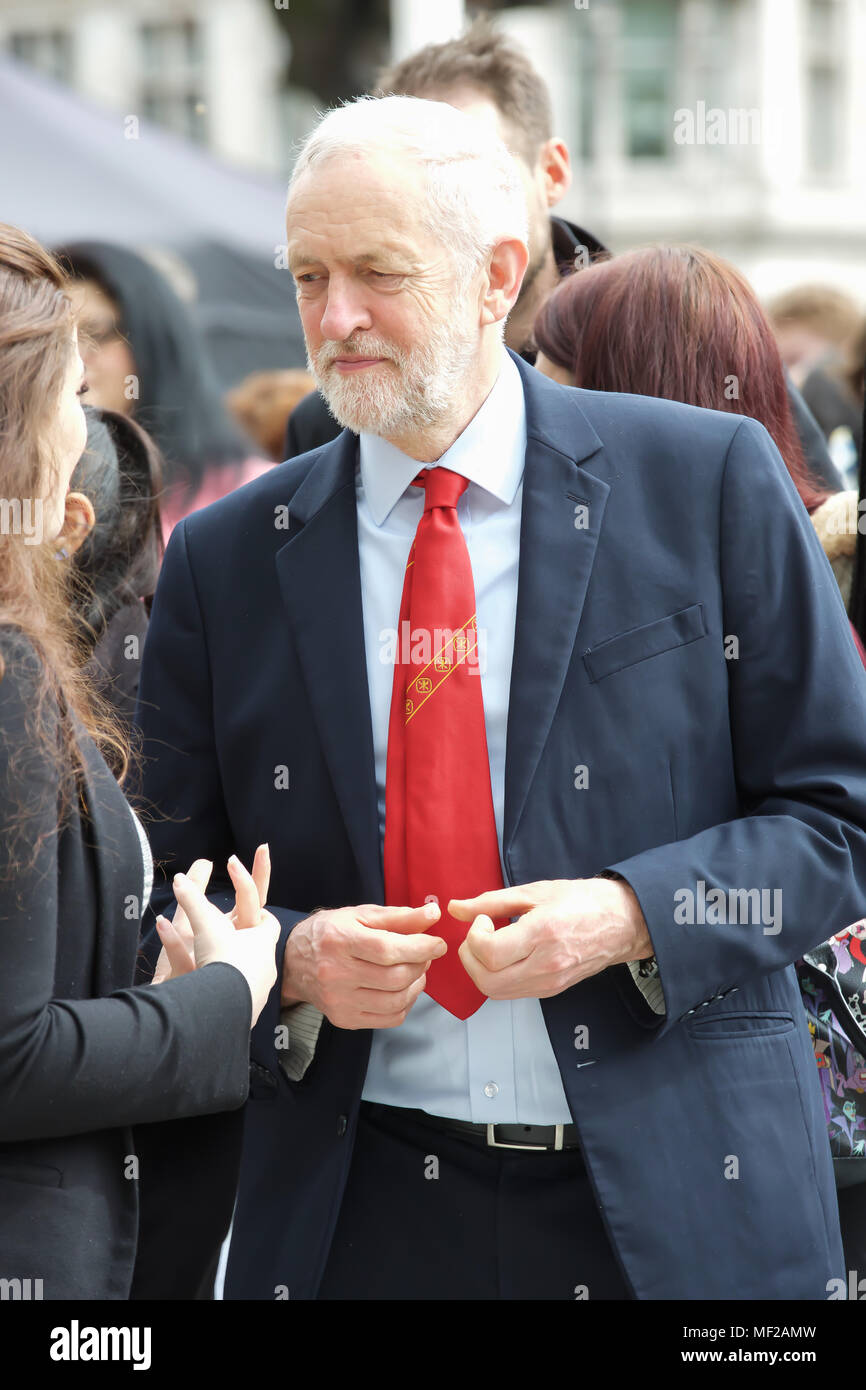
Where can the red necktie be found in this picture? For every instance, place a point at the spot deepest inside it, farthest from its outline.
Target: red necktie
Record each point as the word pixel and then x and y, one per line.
pixel 440 831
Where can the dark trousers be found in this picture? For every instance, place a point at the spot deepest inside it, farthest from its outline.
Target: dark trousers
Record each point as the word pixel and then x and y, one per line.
pixel 427 1215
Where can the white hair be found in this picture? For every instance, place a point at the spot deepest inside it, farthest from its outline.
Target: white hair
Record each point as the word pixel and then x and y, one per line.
pixel 475 195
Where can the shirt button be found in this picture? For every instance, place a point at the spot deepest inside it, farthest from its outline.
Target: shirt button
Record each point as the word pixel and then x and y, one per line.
pixel 342 1125
pixel 491 1089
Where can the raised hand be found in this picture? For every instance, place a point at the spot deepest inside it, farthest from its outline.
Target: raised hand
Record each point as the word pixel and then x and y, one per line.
pixel 177 956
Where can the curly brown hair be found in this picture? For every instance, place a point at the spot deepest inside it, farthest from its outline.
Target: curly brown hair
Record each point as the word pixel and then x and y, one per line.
pixel 36 327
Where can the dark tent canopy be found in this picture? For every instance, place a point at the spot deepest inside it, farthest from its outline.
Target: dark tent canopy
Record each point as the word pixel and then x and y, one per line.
pixel 69 172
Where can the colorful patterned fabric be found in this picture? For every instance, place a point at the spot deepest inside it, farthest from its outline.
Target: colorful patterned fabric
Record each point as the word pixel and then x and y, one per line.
pixel 833 986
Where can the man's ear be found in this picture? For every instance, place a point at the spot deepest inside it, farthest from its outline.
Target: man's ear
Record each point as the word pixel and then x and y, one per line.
pixel 508 261
pixel 555 167
pixel 79 521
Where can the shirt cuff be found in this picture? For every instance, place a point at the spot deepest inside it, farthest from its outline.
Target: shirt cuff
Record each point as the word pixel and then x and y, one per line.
pixel 302 1023
pixel 645 974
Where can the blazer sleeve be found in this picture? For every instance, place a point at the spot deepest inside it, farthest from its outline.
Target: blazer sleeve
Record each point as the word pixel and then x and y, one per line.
pixel 181 781
pixel 797 711
pixel 71 1066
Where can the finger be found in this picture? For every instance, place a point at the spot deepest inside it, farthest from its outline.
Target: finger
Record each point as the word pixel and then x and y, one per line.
pixel 382 1005
pixel 496 950
pixel 392 948
pixel 500 902
pixel 207 923
pixel 199 871
pixel 399 919
pixel 179 958
pixel 248 908
pixel 389 979
pixel 519 981
pixel 262 872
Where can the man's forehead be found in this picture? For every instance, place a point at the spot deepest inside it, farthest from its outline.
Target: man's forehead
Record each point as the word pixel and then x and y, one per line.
pixel 358 200
pixel 358 177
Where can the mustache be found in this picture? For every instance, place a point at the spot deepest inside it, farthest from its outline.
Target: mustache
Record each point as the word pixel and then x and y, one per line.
pixel 329 352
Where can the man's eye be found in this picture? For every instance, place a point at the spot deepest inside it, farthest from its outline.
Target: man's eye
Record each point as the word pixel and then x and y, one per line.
pixel 385 274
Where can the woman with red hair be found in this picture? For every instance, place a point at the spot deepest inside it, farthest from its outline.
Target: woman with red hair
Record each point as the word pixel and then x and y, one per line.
pixel 681 323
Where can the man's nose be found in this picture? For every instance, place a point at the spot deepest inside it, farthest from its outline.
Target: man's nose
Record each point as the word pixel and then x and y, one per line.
pixel 344 311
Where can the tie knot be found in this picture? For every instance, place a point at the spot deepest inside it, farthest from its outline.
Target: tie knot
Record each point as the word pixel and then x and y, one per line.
pixel 442 487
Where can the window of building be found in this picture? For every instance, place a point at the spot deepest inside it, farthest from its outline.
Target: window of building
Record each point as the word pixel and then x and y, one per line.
pixel 48 50
pixel 649 57
pixel 172 77
pixel 824 106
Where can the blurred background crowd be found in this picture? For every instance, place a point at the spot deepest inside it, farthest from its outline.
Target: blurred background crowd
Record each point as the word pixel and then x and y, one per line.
pixel 165 131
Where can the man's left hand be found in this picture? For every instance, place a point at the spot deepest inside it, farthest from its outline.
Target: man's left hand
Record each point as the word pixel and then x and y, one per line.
pixel 569 929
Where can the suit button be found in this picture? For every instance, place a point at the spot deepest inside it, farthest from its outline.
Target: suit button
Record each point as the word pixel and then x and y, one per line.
pixel 342 1125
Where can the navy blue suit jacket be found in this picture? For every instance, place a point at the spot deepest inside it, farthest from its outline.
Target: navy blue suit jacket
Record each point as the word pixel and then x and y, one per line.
pixel 651 533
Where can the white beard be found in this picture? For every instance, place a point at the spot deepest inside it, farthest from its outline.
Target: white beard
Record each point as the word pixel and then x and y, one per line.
pixel 412 390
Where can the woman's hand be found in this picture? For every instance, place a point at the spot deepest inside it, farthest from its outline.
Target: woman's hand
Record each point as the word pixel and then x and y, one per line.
pixel 177 956
pixel 219 936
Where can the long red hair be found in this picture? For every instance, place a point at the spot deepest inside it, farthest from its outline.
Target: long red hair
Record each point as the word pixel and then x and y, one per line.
pixel 677 322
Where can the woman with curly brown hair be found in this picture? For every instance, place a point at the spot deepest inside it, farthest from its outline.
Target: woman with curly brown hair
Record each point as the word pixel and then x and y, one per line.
pixel 84 1056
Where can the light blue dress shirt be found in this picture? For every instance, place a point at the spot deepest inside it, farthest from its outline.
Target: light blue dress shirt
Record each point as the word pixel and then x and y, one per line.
pixel 497 1066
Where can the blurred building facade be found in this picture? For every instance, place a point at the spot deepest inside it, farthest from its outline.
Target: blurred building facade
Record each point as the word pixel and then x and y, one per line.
pixel 733 123
pixel 209 70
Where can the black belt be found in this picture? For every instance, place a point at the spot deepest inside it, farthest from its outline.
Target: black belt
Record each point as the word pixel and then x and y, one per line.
pixel 550 1137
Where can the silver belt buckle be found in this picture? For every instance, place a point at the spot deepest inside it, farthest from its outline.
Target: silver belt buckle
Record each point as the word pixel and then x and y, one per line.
pixel 495 1143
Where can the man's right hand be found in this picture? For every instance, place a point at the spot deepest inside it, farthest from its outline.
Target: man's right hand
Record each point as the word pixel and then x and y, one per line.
pixel 362 967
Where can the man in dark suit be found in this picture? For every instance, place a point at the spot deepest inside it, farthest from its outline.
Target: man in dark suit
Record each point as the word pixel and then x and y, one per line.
pixel 612 1095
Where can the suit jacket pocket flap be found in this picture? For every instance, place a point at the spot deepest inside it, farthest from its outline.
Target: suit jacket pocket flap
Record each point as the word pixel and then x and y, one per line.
pixel 640 643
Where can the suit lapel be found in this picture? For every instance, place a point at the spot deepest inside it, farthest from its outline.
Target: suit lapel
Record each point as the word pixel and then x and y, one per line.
pixel 319 576
pixel 563 507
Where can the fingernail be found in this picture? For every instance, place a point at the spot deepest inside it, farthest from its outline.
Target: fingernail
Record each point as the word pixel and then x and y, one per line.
pixel 431 911
pixel 234 860
pixel 179 878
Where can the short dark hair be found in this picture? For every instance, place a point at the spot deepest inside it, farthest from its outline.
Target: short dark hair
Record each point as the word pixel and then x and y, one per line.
pixel 487 60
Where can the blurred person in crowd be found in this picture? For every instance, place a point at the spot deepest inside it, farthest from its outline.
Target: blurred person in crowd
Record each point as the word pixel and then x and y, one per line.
pixel 262 404
pixel 813 324
pixel 684 324
pixel 145 358
pixel 113 538
pixel 483 867
pixel 489 76
pixel 819 330
pixel 857 524
pixel 89 1066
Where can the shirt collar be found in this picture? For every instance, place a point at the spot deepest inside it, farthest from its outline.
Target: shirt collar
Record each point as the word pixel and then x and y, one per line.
pixel 491 451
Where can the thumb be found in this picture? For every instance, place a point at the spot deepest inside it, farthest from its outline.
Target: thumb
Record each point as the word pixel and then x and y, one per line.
pixel 483 923
pixel 481 927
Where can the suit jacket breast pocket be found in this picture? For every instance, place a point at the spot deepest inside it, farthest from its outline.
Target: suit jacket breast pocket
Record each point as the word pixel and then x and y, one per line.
pixel 640 643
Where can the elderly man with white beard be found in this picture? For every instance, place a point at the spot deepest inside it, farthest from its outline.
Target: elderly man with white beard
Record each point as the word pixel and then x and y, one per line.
pixel 498 1064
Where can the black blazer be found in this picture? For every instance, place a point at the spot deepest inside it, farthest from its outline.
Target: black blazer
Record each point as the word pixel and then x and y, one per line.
pixel 84 1057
